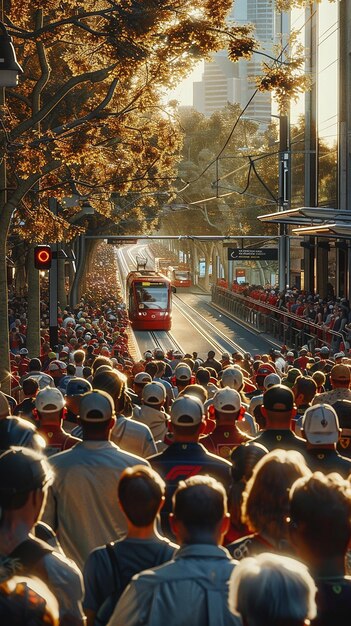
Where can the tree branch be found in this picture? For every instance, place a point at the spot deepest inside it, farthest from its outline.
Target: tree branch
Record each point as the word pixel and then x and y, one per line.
pixel 93 77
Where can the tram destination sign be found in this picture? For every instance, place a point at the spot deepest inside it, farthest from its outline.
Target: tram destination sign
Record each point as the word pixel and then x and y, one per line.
pixel 252 254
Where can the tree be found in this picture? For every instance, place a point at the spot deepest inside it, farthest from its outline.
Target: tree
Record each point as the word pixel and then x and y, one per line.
pixel 87 115
pixel 231 190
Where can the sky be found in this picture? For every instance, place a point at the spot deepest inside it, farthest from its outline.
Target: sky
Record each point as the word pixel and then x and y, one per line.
pixel 184 92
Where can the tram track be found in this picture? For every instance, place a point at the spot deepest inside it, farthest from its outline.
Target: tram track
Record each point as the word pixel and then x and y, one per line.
pixel 213 335
pixel 145 340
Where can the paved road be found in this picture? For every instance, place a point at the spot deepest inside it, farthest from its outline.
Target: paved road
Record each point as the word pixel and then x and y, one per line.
pixel 196 326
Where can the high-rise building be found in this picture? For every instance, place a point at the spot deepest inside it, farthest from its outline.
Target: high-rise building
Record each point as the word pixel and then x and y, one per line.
pixel 224 81
pixel 319 151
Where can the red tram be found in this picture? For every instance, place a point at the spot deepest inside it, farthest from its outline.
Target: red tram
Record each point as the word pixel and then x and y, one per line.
pixel 149 296
pixel 179 276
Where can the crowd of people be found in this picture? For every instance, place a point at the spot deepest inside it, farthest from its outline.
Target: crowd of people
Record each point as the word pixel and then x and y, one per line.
pixel 127 486
pixel 175 489
pixel 314 318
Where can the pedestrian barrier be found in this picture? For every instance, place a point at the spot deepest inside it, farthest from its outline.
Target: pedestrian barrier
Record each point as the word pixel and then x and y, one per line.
pixel 286 327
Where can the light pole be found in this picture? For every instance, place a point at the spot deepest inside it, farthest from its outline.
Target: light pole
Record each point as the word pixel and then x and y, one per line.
pixel 9 73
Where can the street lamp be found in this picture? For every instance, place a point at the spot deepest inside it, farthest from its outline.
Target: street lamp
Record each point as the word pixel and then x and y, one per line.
pixel 9 67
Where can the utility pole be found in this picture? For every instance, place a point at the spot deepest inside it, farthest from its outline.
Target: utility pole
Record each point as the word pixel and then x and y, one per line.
pixel 53 285
pixel 284 199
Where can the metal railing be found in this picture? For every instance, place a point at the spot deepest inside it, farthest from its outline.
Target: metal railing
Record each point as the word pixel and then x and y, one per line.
pixel 283 326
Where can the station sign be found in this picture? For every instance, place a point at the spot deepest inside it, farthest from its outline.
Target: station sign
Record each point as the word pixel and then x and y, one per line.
pixel 121 242
pixel 252 254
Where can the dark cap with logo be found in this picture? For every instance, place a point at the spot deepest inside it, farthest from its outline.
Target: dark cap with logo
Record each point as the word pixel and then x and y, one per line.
pixel 278 398
pixel 22 470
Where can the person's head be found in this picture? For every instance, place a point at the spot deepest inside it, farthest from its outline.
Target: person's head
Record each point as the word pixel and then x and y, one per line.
pixel 320 426
pixel 5 410
pixel 30 387
pixel 50 403
pixel 112 383
pixel 324 353
pixel 340 376
pixel 272 590
pixel 78 357
pixel 151 368
pixel 203 376
pixel 140 380
pixel 232 377
pixel 292 375
pixel 225 359
pixel 141 494
pixel 304 390
pixel 199 511
pixel 182 375
pixel 161 368
pixel 96 415
pixel 266 496
pixel 154 395
pixel 187 418
pixel 227 405
pixel 71 369
pixel 194 390
pixel 75 388
pixel 278 407
pixel 100 360
pixel 211 354
pixel 319 378
pixel 24 478
pixel 35 365
pixel 320 519
pixel 262 372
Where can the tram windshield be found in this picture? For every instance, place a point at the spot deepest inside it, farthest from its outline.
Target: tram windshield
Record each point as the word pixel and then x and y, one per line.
pixel 181 275
pixel 151 295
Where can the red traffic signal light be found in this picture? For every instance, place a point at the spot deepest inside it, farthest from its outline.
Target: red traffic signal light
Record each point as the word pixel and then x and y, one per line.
pixel 42 257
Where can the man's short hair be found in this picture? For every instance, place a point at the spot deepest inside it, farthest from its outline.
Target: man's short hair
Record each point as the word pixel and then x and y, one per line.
pixel 151 368
pixel 200 502
pixel 203 376
pixel 78 356
pixel 307 387
pixel 140 491
pixel 282 588
pixel 30 386
pixel 320 508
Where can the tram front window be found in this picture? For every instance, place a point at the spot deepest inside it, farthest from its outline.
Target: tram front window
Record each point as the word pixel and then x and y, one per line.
pixel 181 275
pixel 152 295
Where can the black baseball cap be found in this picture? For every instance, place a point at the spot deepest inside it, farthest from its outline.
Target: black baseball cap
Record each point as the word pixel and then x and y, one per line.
pixel 278 398
pixel 22 470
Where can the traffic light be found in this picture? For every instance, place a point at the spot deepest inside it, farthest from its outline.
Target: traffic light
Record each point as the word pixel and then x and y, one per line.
pixel 42 257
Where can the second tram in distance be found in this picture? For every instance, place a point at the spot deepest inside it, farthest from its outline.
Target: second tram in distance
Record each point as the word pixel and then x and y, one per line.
pixel 149 295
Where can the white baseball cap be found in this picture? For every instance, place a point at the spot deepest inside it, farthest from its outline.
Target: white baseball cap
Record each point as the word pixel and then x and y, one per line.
pixel 270 380
pixel 227 400
pixel 154 393
pixel 142 378
pixel 96 407
pixel 182 372
pixel 49 400
pixel 321 425
pixel 233 378
pixel 186 411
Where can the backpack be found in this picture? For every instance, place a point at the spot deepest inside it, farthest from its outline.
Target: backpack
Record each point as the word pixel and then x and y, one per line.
pixel 29 555
pixel 120 582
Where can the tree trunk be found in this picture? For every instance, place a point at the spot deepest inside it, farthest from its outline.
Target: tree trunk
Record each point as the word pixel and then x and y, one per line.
pixel 33 332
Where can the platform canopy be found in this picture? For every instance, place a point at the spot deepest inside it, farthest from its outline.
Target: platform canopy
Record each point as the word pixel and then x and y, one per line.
pixel 313 221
